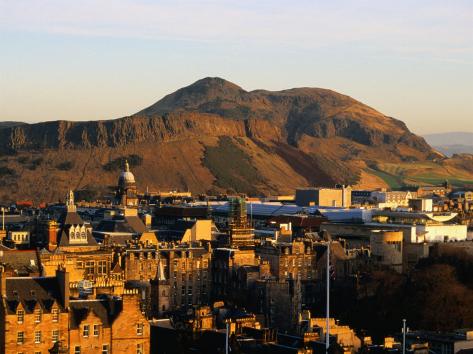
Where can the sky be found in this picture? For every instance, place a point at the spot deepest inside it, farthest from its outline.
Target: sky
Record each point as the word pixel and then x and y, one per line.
pixel 104 59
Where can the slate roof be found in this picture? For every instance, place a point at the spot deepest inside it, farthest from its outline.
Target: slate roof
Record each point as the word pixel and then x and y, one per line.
pixel 120 224
pixel 136 224
pixel 107 309
pixel 30 291
pixel 67 219
pixel 70 218
pixel 22 262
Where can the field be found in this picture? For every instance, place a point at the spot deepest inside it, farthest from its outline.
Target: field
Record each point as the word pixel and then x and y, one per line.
pixel 414 173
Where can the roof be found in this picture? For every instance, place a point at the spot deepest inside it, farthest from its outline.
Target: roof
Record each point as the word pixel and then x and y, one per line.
pixel 136 224
pixel 112 238
pixel 120 224
pixel 22 262
pixel 70 218
pixel 268 209
pixel 64 240
pixel 106 309
pixel 439 217
pixel 30 291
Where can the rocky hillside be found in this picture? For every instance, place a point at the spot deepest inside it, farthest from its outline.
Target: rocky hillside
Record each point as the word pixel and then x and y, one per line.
pixel 212 136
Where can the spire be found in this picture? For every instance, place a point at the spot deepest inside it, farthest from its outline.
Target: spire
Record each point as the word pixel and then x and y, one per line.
pixel 127 166
pixel 70 205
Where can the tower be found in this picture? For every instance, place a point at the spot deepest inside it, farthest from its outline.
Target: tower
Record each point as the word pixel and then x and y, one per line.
pixel 126 194
pixel 160 293
pixel 241 233
pixel 70 206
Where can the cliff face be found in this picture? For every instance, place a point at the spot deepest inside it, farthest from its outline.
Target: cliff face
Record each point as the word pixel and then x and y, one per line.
pixel 290 138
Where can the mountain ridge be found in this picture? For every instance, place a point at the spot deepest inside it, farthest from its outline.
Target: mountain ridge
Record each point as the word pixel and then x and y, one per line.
pixel 289 138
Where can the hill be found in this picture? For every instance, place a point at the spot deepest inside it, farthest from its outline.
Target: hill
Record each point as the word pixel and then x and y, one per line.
pixel 213 136
pixel 451 143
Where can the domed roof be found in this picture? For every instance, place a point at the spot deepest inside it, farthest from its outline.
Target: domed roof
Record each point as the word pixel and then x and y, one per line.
pixel 126 177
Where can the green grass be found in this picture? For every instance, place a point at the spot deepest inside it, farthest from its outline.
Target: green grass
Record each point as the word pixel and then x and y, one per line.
pixel 397 176
pixel 395 182
pixel 231 167
pixel 437 180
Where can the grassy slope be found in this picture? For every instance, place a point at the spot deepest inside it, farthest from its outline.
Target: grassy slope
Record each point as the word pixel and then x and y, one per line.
pixel 420 173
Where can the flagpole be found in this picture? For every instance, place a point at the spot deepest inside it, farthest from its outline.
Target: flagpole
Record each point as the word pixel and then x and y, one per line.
pixel 226 337
pixel 327 333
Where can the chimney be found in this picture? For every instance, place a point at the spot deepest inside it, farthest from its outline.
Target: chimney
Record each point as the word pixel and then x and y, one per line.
pixel 3 282
pixel 52 235
pixel 63 279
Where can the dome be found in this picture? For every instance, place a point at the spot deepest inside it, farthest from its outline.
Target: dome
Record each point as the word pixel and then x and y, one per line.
pixel 126 177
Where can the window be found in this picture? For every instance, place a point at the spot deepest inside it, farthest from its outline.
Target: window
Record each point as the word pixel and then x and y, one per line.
pixel 37 352
pixel 55 314
pixel 139 329
pixel 105 349
pixel 96 330
pixel 89 267
pixel 77 349
pixel 37 315
pixel 139 348
pixel 55 335
pixel 37 336
pixel 85 331
pixel 102 267
pixel 20 315
pixel 20 337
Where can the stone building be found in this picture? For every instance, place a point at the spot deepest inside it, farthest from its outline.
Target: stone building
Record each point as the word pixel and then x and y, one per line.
pixel 183 279
pixel 139 263
pixel 72 247
pixel 225 265
pixel 289 260
pixel 70 233
pixel 37 314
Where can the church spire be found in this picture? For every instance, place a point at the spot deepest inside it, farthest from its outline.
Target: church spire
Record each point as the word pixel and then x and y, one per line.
pixel 127 166
pixel 70 205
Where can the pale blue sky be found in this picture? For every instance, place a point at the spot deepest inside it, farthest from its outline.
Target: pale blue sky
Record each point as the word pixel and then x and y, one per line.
pixel 101 59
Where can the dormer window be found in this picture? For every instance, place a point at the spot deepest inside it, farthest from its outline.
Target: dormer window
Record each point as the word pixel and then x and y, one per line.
pixel 55 314
pixel 20 315
pixel 38 314
pixel 78 234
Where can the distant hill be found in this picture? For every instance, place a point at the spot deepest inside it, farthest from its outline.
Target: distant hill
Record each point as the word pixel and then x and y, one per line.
pixel 9 124
pixel 451 143
pixel 214 136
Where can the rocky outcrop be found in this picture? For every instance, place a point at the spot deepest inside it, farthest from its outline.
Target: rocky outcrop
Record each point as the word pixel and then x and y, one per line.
pixel 292 137
pixel 215 107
